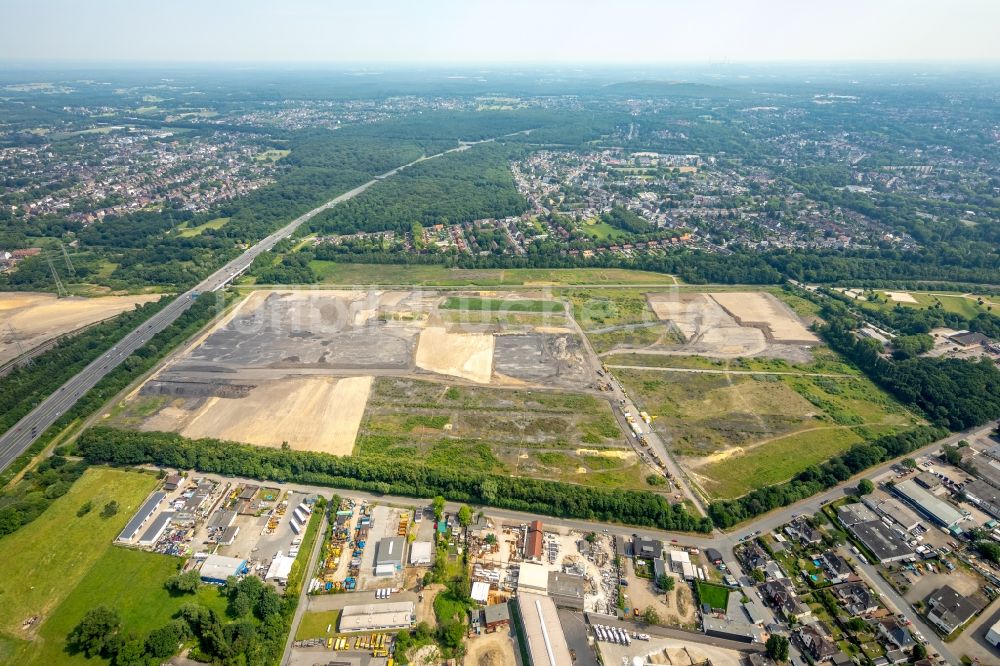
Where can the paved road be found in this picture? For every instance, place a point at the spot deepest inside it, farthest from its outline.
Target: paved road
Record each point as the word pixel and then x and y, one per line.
pixel 895 601
pixel 17 440
pixel 303 594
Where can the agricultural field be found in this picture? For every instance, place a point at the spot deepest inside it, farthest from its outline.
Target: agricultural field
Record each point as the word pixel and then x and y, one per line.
pixel 29 319
pixel 47 562
pixel 546 434
pixel 330 272
pixel 734 432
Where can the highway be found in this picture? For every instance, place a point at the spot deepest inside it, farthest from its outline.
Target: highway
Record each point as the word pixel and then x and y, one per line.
pixel 16 441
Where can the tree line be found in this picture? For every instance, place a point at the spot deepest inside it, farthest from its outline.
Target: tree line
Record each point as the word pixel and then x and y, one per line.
pixel 124 447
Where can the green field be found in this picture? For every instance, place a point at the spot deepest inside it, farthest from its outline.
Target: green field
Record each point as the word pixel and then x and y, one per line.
pixel 825 361
pixel 737 432
pixel 499 305
pixel 602 308
pixel 314 624
pixel 217 223
pixel 600 230
pixel 129 581
pixel 544 434
pixel 47 559
pixel 330 272
pixel 714 595
pixel 273 155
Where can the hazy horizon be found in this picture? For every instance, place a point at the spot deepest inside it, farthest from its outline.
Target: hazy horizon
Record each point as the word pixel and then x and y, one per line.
pixel 443 33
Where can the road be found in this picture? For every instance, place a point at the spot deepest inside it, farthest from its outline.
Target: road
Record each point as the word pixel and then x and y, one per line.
pixel 16 441
pixel 893 599
pixel 622 404
pixel 300 609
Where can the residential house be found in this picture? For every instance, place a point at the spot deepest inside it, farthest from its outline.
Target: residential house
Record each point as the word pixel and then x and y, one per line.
pixel 817 643
pixel 948 610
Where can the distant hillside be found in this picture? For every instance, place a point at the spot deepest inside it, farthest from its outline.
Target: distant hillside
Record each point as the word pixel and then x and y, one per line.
pixel 653 88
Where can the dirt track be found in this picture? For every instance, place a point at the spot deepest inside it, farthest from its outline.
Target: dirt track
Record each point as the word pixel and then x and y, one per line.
pixel 496 649
pixel 36 318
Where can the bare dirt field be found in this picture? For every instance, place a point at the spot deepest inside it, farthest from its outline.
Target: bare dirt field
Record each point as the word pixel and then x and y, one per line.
pixel 496 649
pixel 706 326
pixel 761 309
pixel 310 413
pixel 900 297
pixel 466 355
pixel 30 319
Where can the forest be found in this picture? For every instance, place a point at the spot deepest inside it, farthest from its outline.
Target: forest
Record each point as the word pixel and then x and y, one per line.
pixel 457 187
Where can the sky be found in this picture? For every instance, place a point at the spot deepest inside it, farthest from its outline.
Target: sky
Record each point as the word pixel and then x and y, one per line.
pixel 498 31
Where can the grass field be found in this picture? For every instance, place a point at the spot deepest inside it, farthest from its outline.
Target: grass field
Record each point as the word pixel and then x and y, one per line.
pixel 129 581
pixel 738 432
pixel 715 595
pixel 643 336
pixel 46 560
pixel 598 309
pixel 825 361
pixel 314 624
pixel 217 223
pixel 499 305
pixel 273 155
pixel 600 230
pixel 552 435
pixel 330 272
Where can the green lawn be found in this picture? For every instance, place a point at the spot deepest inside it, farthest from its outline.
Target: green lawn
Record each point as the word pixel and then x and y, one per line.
pixel 45 560
pixel 715 595
pixel 499 305
pixel 313 625
pixel 129 581
pixel 600 230
pixel 217 223
pixel 331 272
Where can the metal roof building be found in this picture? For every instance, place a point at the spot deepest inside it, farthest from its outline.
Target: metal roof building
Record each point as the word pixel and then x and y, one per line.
pixel 141 516
pixel 389 555
pixel 156 529
pixel 546 642
pixel 532 578
pixel 933 507
pixel 377 617
pixel 280 567
pixel 566 589
pixel 217 568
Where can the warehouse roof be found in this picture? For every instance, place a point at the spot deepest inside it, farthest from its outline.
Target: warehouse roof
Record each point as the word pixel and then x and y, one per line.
pixel 141 516
pixel 390 551
pixel 280 567
pixel 533 577
pixel 936 508
pixel 219 567
pixel 156 528
pixel 367 617
pixel 421 552
pixel 544 636
pixel 885 544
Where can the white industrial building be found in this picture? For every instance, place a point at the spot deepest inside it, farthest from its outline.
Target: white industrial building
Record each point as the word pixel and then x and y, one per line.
pixel 217 568
pixel 421 553
pixel 377 617
pixel 532 578
pixel 280 567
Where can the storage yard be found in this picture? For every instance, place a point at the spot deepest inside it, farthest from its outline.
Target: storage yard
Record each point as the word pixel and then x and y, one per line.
pixel 226 528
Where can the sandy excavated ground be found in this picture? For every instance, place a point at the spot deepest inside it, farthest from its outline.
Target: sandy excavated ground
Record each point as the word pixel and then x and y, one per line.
pixel 752 308
pixel 310 413
pixel 706 326
pixel 37 318
pixel 900 297
pixel 465 355
pixel 496 649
